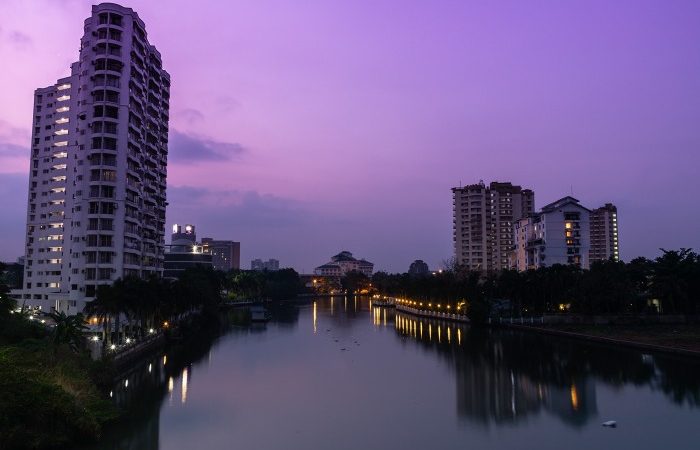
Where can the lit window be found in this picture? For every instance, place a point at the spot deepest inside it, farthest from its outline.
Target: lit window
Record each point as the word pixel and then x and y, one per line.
pixel 63 98
pixel 58 190
pixel 59 166
pixel 63 109
pixel 63 119
pixel 59 178
pixel 63 87
pixel 60 155
pixel 60 132
pixel 60 143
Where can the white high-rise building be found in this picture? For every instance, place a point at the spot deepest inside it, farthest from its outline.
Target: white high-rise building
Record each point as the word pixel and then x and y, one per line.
pixel 96 207
pixel 559 234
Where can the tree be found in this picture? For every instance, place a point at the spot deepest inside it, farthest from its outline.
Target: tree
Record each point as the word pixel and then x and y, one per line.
pixel 7 303
pixel 68 330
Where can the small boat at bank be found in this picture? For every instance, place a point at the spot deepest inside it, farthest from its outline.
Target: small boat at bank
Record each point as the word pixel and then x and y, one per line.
pixel 258 313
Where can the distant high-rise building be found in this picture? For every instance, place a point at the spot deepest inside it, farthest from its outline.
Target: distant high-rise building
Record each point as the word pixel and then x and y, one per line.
pixel 270 265
pixel 97 180
pixel 604 237
pixel 418 267
pixel 226 255
pixel 483 219
pixel 559 234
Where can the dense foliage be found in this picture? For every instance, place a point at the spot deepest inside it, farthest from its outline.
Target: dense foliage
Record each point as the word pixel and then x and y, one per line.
pixel 48 393
pixel 151 303
pixel 259 285
pixel 669 284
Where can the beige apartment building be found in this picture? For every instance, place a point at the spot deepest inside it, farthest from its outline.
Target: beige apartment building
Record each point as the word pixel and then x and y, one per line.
pixel 483 219
pixel 604 238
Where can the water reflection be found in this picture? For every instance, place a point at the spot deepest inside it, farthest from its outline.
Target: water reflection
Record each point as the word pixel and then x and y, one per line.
pixel 488 378
pixel 506 375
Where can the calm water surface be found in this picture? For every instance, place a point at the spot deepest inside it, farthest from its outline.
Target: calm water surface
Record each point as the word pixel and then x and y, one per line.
pixel 337 374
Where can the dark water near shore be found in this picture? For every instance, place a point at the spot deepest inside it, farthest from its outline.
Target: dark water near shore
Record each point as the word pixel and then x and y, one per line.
pixel 335 374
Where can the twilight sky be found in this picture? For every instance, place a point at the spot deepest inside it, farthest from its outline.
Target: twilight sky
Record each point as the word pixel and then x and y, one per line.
pixel 306 128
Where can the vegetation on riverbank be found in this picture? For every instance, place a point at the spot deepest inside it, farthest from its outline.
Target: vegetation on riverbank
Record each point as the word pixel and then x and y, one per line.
pixel 258 285
pixel 48 387
pixel 153 303
pixel 669 284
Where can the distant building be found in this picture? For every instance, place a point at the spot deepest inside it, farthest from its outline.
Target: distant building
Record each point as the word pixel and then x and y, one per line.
pixel 483 219
pixel 226 255
pixel 343 263
pixel 418 267
pixel 270 265
pixel 559 234
pixel 604 239
pixel 184 252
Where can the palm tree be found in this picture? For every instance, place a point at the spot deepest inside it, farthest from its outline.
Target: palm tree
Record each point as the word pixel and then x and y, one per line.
pixel 69 330
pixel 105 306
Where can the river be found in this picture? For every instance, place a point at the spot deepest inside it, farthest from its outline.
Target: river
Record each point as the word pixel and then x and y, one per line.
pixel 337 374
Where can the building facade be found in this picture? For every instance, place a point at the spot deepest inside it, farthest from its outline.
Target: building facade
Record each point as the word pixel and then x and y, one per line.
pixel 483 220
pixel 558 234
pixel 226 255
pixel 343 263
pixel 97 181
pixel 418 267
pixel 270 265
pixel 604 234
pixel 184 252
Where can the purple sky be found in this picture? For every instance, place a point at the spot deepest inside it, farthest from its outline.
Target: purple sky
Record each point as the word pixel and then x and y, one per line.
pixel 306 128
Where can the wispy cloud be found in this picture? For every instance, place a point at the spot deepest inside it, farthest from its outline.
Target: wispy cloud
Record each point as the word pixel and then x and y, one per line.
pixel 14 150
pixel 235 208
pixel 192 148
pixel 13 197
pixel 20 39
pixel 191 115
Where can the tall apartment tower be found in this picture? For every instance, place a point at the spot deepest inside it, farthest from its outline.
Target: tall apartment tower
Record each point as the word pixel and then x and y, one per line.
pixel 96 207
pixel 483 219
pixel 604 239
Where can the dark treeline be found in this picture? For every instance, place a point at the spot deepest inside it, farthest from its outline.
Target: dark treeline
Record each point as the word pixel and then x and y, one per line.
pixel 152 303
pixel 262 285
pixel 669 284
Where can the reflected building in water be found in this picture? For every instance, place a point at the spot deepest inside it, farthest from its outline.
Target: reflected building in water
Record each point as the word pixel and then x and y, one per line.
pixel 492 386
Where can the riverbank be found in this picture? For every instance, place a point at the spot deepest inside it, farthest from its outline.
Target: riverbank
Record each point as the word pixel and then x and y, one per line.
pixel 682 339
pixel 432 314
pixel 49 396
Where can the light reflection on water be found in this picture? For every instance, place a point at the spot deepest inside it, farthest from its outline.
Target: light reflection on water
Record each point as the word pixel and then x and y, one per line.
pixel 357 376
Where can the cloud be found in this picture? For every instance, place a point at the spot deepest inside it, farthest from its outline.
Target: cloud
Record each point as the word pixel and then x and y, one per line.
pixel 8 150
pixel 226 103
pixel 191 115
pixel 13 197
pixel 19 38
pixel 14 152
pixel 12 134
pixel 235 208
pixel 192 148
